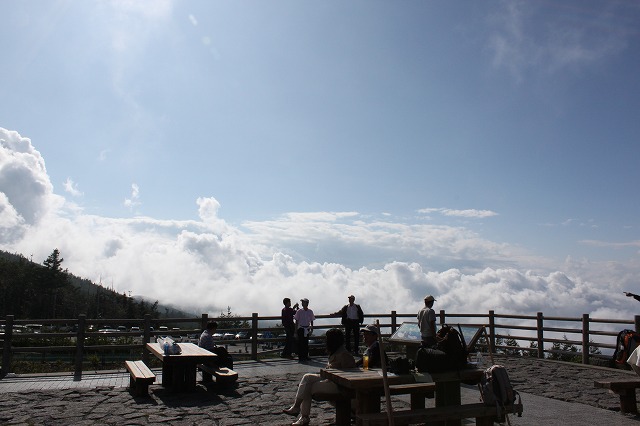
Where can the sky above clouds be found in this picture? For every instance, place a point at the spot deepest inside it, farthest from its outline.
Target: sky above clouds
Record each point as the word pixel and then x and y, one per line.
pixel 213 154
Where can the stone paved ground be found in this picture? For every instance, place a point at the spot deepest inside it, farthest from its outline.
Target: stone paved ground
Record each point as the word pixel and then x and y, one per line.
pixel 261 393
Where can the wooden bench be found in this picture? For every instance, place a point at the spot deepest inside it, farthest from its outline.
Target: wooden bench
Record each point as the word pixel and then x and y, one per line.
pixel 485 415
pixel 140 377
pixel 418 392
pixel 626 389
pixel 223 375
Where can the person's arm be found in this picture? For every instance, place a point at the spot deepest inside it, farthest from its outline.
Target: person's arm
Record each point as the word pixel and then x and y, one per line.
pixel 635 296
pixel 360 314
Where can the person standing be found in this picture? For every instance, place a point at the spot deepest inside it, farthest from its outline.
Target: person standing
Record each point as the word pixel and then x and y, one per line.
pixel 352 319
pixel 304 327
pixel 427 323
pixel 289 326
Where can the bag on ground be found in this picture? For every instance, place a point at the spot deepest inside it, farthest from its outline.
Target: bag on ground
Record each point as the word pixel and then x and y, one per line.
pixel 224 359
pixel 626 343
pixel 496 389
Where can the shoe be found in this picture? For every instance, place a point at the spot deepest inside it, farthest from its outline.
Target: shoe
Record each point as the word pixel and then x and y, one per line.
pixel 303 420
pixel 292 411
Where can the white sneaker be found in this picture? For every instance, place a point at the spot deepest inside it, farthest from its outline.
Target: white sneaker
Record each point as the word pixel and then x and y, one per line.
pixel 303 420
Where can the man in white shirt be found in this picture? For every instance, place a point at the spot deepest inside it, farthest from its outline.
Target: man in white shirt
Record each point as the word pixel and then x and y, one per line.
pixel 304 327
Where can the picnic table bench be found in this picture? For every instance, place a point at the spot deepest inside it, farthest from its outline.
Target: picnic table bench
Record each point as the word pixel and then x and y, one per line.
pixel 140 377
pixel 485 415
pixel 223 375
pixel 342 401
pixel 626 389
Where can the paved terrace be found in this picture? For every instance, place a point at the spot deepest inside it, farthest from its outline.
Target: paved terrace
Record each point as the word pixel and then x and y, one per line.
pixel 553 393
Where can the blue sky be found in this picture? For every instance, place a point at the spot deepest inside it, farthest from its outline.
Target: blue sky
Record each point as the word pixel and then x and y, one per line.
pixel 484 152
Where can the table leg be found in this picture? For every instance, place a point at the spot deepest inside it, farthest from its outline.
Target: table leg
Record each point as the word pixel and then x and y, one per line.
pixel 190 376
pixel 367 402
pixel 177 378
pixel 167 374
pixel 448 393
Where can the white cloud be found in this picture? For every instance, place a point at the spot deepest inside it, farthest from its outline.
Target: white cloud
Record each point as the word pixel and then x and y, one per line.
pixel 468 213
pixel 135 197
pixel 71 187
pixel 205 265
pixel 527 36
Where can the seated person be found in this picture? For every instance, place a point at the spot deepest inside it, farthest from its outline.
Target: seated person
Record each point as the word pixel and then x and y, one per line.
pixel 206 341
pixel 370 337
pixel 311 383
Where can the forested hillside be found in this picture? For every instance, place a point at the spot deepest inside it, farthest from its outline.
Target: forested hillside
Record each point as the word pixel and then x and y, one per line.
pixel 31 291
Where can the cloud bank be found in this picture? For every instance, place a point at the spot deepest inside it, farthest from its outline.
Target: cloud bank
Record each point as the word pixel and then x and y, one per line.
pixel 206 264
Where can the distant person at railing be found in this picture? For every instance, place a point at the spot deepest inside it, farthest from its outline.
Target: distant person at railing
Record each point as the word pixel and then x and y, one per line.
pixel 352 319
pixel 370 337
pixel 311 383
pixel 635 296
pixel 207 341
pixel 289 326
pixel 304 327
pixel 427 322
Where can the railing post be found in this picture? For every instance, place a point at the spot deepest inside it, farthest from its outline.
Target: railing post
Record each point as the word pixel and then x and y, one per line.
pixel 6 348
pixel 80 344
pixel 442 317
pixel 204 321
pixel 585 338
pixel 540 329
pixel 492 332
pixel 637 323
pixel 394 321
pixel 254 336
pixel 146 338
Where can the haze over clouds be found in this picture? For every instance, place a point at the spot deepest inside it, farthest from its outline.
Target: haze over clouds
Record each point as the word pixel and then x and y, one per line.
pixel 214 154
pixel 206 264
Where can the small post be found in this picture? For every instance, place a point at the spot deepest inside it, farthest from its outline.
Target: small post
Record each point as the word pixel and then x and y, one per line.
pixel 585 338
pixel 394 321
pixel 80 346
pixel 442 317
pixel 637 323
pixel 146 338
pixel 254 336
pixel 492 331
pixel 204 321
pixel 6 348
pixel 540 329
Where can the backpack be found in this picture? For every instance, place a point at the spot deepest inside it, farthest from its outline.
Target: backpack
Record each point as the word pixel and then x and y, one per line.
pixel 451 342
pixel 496 389
pixel 224 359
pixel 626 343
pixel 432 361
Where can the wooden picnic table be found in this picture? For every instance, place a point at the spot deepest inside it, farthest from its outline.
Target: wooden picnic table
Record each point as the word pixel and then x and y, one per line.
pixel 179 371
pixel 368 385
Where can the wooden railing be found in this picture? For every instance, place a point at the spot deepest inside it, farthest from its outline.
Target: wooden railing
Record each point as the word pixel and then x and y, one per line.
pixel 584 334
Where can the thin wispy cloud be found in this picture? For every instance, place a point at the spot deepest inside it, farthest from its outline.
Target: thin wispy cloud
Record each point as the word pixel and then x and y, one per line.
pixel 134 199
pixel 467 213
pixel 71 187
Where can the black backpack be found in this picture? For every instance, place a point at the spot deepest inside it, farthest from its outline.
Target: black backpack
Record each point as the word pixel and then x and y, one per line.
pixel 626 343
pixel 450 341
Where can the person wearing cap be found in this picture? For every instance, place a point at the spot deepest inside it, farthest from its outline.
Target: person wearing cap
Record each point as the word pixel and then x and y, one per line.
pixel 352 319
pixel 427 322
pixel 304 327
pixel 370 337
pixel 312 383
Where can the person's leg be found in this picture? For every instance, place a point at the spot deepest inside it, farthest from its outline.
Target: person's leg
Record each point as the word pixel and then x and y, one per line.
pixel 303 395
pixel 303 345
pixel 357 338
pixel 347 335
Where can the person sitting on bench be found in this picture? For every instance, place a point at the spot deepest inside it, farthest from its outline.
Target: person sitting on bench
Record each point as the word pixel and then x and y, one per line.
pixel 370 337
pixel 311 383
pixel 207 342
